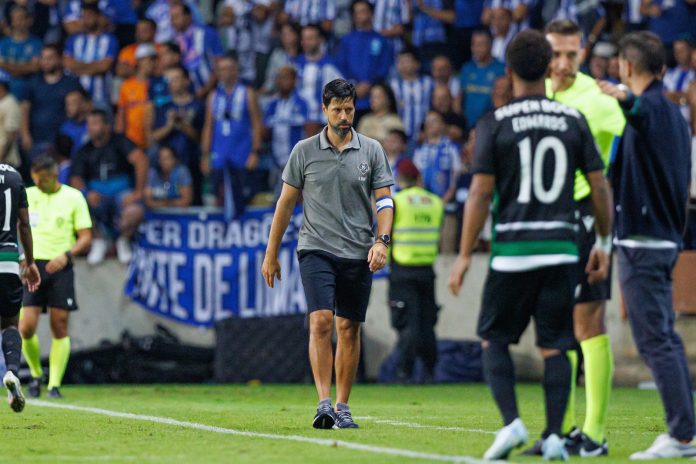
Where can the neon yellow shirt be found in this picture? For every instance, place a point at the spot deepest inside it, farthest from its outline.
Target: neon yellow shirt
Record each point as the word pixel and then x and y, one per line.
pixel 603 115
pixel 55 218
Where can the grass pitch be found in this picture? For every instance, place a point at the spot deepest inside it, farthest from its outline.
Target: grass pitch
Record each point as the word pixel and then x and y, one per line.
pixel 436 422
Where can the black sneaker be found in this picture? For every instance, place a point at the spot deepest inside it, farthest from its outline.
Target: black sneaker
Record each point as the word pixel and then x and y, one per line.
pixel 34 387
pixel 325 418
pixel 591 449
pixel 344 420
pixel 573 441
pixel 534 450
pixel 54 393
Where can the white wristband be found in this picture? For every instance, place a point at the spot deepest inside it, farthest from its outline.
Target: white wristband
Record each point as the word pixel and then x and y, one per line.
pixel 603 243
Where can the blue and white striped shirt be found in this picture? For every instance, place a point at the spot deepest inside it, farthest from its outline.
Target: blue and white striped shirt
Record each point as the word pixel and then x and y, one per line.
pixel 677 79
pixel 310 11
pixel 159 12
pixel 312 76
pixel 200 45
pixel 286 118
pixel 439 164
pixel 91 48
pixel 427 29
pixel 389 13
pixel 412 101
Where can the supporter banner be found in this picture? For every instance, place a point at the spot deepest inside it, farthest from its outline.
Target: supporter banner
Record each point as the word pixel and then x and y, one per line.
pixel 197 268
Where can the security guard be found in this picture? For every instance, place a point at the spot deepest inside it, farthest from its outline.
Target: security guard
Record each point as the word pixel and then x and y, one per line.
pixel 416 234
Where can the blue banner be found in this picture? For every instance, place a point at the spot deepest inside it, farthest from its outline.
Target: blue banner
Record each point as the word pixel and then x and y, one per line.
pixel 196 268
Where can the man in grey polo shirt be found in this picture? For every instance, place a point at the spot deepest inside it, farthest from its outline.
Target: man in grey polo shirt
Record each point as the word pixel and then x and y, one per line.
pixel 337 171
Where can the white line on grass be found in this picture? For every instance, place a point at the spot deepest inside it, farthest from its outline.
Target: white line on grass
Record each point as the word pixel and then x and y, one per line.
pixel 297 438
pixel 415 425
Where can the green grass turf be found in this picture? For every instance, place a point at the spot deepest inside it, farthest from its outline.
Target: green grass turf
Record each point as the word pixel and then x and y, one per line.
pixel 41 434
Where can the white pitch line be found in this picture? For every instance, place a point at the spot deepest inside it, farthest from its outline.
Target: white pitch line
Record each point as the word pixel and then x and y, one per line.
pixel 296 438
pixel 415 425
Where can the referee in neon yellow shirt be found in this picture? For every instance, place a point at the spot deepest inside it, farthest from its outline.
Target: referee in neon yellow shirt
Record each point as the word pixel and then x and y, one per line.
pixel 58 214
pixel 605 118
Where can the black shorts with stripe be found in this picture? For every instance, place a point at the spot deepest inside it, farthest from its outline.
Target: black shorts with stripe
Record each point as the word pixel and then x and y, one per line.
pixel 57 290
pixel 511 299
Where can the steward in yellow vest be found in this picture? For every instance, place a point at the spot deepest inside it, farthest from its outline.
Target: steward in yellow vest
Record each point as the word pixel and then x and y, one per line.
pixel 415 238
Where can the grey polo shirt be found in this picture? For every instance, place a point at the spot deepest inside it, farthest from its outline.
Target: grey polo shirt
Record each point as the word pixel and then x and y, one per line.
pixel 336 191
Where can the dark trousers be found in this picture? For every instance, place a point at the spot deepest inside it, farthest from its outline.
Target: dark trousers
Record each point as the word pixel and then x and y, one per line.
pixel 646 281
pixel 413 315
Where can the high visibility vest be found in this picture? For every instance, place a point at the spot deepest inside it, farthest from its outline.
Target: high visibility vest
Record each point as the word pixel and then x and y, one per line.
pixel 416 230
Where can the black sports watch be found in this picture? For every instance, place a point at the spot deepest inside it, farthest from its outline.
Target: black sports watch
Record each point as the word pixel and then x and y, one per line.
pixel 384 238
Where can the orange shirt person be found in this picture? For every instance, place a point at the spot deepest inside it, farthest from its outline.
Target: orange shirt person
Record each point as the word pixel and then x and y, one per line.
pixel 133 97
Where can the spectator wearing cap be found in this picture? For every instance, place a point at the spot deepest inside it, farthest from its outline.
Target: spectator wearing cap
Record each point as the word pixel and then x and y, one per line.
pixel 178 125
pixel 77 105
pixel 19 50
pixel 112 171
pixel 418 218
pixel 145 31
pixel 133 98
pixel 678 78
pixel 43 103
pixel 599 60
pixel 10 117
pixel 438 158
pixel 90 55
pixel 364 56
pixel 200 47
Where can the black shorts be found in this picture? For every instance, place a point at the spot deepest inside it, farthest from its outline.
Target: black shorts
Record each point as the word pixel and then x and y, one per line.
pixel 510 299
pixel 585 292
pixel 57 290
pixel 10 295
pixel 340 284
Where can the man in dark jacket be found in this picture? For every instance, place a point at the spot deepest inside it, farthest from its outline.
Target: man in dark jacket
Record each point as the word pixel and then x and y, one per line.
pixel 651 194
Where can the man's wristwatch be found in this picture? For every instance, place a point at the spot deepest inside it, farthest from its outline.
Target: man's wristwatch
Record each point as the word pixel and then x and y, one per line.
pixel 384 238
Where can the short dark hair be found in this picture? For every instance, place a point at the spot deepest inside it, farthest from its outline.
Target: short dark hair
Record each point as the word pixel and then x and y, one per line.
pixel 172 47
pixel 528 55
pixel 484 32
pixel 563 27
pixel 339 89
pixel 149 21
pixel 399 133
pixel 644 50
pixel 91 6
pixel 20 8
pixel 185 8
pixel 43 162
pixel 366 2
pixel 53 46
pixel 82 92
pixel 410 51
pixel 317 27
pixel 102 113
pixel 179 67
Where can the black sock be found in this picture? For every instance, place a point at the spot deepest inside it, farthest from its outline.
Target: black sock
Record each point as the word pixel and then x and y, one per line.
pixel 556 389
pixel 12 348
pixel 500 376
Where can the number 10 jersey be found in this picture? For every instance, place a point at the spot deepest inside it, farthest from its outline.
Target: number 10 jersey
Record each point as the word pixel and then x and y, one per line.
pixel 533 147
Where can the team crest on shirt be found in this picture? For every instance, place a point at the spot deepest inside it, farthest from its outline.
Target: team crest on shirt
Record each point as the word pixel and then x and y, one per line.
pixel 363 168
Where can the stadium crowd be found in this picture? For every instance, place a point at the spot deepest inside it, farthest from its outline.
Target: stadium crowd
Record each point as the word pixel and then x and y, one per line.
pixel 155 103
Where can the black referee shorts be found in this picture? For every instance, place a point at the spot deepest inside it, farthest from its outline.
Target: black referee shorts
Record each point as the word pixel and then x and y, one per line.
pixel 340 284
pixel 585 292
pixel 57 290
pixel 510 299
pixel 10 295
